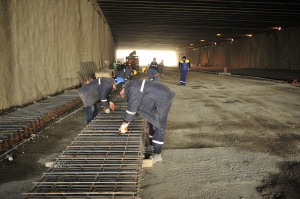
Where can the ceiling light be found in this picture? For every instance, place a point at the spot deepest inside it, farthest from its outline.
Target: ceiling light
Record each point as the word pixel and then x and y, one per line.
pixel 218 34
pixel 191 44
pixel 231 39
pixel 279 28
pixel 215 43
pixel 202 40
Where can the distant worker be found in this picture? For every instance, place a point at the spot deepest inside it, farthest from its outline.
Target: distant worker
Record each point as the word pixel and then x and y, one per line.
pixel 133 66
pixel 153 71
pixel 152 101
pixel 121 66
pixel 184 65
pixel 95 90
pixel 161 68
pixel 125 73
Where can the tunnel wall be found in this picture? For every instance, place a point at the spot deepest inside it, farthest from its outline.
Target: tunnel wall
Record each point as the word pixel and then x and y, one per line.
pixel 272 50
pixel 43 44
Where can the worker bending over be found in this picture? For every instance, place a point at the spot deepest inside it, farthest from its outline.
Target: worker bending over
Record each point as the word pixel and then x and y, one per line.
pixel 95 90
pixel 124 73
pixel 152 101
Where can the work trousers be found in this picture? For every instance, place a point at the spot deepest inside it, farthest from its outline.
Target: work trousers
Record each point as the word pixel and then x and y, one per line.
pixel 157 135
pixel 91 112
pixel 183 77
pixel 153 75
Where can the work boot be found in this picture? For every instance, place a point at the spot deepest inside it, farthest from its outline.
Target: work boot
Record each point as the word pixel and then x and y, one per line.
pixel 149 148
pixel 156 157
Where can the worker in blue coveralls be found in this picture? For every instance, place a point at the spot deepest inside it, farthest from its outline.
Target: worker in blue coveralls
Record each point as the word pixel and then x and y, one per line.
pixel 184 65
pixel 152 101
pixel 153 71
pixel 95 90
pixel 124 73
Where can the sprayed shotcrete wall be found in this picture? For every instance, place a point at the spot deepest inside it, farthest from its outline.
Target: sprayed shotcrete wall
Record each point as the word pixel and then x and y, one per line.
pixel 43 44
pixel 273 50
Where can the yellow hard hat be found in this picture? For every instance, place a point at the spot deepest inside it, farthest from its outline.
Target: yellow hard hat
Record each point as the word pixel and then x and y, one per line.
pixel 144 69
pixel 134 72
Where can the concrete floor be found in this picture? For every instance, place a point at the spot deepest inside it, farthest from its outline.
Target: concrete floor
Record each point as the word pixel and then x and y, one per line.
pixel 228 136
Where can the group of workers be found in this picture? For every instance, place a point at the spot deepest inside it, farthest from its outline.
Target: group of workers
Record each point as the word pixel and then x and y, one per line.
pixel 142 98
pixel 155 70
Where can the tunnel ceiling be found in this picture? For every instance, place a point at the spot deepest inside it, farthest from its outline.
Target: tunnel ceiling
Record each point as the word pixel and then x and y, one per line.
pixel 181 25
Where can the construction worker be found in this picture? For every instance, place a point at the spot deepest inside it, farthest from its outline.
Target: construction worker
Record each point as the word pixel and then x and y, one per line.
pixel 133 66
pixel 184 65
pixel 95 90
pixel 153 71
pixel 161 68
pixel 152 101
pixel 125 73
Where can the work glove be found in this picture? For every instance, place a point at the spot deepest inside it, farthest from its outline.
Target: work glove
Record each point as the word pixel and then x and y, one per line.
pixel 112 106
pixel 124 128
pixel 106 110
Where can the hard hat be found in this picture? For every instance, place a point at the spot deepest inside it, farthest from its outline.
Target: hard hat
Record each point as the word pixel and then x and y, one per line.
pixel 144 69
pixel 134 72
pixel 119 80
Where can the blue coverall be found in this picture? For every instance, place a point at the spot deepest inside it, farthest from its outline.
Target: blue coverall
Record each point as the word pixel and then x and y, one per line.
pixel 184 66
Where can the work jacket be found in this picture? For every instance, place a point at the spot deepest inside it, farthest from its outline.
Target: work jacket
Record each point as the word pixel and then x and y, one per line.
pixel 184 65
pixel 149 99
pixel 124 73
pixel 98 89
pixel 154 65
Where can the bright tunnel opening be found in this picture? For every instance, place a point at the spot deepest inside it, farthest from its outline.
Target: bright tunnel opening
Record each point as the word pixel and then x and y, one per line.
pixel 146 56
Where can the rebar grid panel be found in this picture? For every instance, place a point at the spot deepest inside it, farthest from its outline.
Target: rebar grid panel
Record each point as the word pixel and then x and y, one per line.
pixel 20 124
pixel 99 163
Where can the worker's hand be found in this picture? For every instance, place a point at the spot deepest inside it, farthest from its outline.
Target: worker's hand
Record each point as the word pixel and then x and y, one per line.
pixel 124 128
pixel 112 106
pixel 106 110
pixel 162 75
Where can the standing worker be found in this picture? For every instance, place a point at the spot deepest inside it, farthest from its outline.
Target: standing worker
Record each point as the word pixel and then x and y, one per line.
pixel 184 65
pixel 161 68
pixel 152 101
pixel 95 90
pixel 153 71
